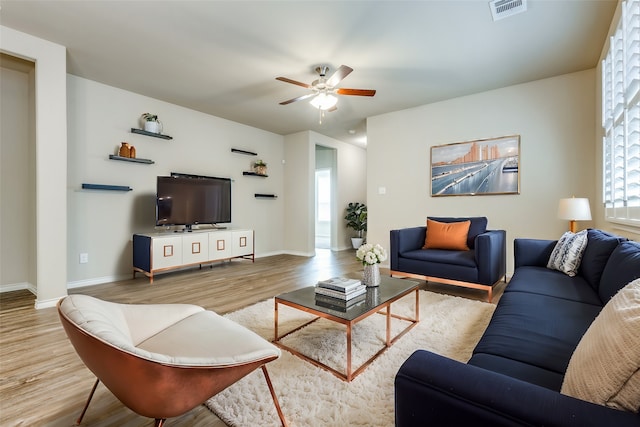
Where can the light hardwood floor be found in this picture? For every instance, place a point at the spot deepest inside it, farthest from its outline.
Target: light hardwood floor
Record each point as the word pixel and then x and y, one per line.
pixel 44 383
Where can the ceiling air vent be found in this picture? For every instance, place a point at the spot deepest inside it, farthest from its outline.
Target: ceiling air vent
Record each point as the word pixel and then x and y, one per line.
pixel 504 8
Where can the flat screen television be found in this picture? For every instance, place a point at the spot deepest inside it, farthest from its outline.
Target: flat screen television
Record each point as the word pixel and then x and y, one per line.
pixel 183 199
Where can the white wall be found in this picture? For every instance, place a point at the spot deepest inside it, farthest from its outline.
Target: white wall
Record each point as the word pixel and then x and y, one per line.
pixel 50 159
pixel 17 174
pixel 299 188
pixel 555 119
pixel 101 223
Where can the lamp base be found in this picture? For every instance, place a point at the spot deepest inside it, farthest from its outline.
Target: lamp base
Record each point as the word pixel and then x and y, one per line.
pixel 573 226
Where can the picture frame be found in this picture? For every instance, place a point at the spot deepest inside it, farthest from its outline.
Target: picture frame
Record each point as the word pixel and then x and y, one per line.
pixel 473 168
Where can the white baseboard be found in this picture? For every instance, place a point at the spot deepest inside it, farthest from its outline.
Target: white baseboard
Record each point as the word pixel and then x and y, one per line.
pixel 14 287
pixel 97 281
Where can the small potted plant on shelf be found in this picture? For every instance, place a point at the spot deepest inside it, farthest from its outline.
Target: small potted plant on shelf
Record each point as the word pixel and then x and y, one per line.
pixel 357 219
pixel 151 123
pixel 260 167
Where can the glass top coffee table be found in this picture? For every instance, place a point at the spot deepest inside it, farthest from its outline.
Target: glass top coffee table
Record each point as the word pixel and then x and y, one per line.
pixel 378 300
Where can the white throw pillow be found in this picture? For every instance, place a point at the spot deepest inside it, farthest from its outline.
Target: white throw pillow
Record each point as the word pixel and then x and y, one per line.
pixel 567 253
pixel 605 366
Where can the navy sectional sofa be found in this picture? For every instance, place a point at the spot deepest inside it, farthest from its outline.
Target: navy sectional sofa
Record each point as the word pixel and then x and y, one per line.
pixel 516 371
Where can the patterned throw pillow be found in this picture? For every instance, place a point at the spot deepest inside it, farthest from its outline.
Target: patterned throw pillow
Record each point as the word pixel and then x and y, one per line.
pixel 568 252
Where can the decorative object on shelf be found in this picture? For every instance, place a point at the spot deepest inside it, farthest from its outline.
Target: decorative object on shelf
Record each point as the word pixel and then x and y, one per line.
pixel 130 159
pixel 151 123
pixel 124 150
pixel 370 256
pixel 260 167
pixel 239 151
pixel 357 219
pixel 106 187
pixel 132 152
pixel 574 209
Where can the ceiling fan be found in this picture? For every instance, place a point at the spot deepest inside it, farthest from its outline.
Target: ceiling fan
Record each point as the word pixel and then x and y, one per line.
pixel 323 89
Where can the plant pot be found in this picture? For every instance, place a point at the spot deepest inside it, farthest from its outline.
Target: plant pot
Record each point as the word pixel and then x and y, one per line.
pixel 356 242
pixel 153 127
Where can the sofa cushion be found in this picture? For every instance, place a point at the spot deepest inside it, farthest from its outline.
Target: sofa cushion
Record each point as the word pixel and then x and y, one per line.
pixel 600 244
pixel 567 253
pixel 537 329
pixel 523 371
pixel 443 235
pixel 605 367
pixel 440 256
pixel 622 267
pixel 478 226
pixel 543 281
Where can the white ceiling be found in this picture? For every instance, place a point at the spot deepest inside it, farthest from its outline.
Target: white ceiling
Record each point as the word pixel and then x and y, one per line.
pixel 222 57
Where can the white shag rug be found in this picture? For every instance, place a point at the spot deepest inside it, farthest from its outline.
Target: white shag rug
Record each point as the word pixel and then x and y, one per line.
pixel 310 396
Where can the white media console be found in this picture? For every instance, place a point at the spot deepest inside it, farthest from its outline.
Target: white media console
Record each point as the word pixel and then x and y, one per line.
pixel 157 252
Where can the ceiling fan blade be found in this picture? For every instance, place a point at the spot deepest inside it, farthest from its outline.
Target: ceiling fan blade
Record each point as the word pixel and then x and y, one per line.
pixel 357 92
pixel 340 74
pixel 286 80
pixel 300 98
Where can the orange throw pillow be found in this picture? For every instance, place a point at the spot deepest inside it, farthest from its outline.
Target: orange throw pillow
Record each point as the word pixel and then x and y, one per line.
pixel 447 235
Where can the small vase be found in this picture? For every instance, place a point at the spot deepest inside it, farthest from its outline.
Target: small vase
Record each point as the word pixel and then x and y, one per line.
pixel 125 150
pixel 132 152
pixel 371 275
pixel 153 126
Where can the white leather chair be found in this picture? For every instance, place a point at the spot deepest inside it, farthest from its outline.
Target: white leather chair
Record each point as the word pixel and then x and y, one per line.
pixel 162 360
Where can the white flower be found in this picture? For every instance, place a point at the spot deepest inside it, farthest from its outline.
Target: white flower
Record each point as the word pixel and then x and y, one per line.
pixel 371 254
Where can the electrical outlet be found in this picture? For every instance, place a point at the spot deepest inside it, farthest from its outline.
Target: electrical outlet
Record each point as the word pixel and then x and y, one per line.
pixel 84 258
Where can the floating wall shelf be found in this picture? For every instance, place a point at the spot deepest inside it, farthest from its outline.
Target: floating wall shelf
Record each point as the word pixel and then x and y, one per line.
pixel 254 174
pixel 248 153
pixel 155 135
pixel 131 159
pixel 265 196
pixel 106 187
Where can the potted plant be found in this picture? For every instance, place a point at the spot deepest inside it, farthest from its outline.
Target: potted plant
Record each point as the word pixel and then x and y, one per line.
pixel 151 123
pixel 357 219
pixel 260 167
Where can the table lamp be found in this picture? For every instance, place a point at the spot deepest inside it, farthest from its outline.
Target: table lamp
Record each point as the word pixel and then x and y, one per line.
pixel 574 209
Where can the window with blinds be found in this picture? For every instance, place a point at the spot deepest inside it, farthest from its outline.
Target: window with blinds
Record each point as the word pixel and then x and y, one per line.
pixel 621 119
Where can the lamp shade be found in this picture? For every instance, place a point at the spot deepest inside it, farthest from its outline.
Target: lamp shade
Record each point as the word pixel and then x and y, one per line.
pixel 324 101
pixel 574 209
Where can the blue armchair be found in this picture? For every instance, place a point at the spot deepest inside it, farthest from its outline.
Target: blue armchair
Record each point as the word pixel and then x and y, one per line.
pixel 480 267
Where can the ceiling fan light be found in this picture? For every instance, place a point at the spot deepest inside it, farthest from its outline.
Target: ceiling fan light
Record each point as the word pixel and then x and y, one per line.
pixel 324 101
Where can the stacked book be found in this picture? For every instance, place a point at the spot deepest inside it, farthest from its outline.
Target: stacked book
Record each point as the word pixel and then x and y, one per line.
pixel 340 293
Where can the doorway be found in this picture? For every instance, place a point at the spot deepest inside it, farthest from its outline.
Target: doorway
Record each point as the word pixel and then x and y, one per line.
pixel 325 197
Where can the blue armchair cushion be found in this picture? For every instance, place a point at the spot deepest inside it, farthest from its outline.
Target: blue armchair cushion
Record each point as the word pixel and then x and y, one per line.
pixel 443 256
pixel 478 226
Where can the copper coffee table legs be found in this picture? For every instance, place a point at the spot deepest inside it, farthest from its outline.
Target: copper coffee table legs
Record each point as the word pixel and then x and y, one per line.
pixel 384 309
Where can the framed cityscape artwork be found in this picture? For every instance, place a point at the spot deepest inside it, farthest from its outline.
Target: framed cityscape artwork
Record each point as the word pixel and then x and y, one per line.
pixel 473 168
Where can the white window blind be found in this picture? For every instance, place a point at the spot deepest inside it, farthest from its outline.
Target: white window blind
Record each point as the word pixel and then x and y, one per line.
pixel 621 119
